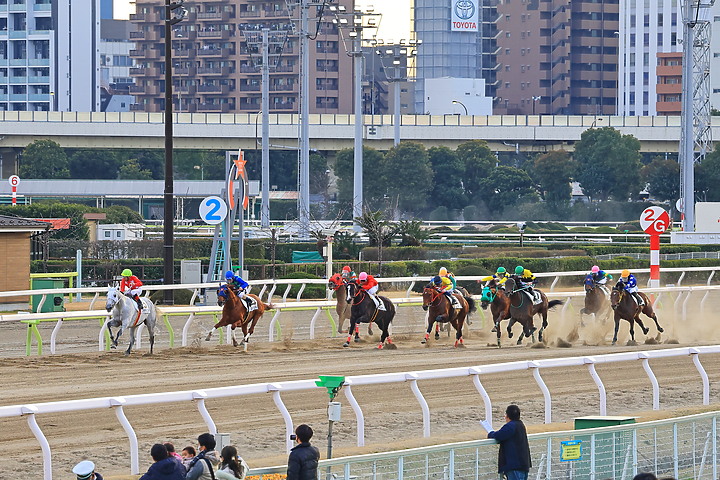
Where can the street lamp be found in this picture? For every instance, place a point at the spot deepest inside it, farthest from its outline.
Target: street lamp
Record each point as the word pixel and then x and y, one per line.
pixel 455 102
pixel 202 171
pixel 174 13
pixel 396 73
pixel 535 100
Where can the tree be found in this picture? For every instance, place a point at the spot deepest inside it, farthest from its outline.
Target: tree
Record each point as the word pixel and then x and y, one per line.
pixel 131 170
pixel 373 181
pixel 379 230
pixel 663 178
pixel 94 164
pixel 319 174
pixel 506 187
pixel 707 177
pixel 608 164
pixel 408 176
pixel 411 232
pixel 478 160
pixel 44 159
pixel 199 165
pixel 448 173
pixel 283 168
pixel 553 172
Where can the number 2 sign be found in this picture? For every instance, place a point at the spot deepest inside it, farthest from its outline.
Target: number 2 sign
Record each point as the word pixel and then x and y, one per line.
pixel 213 210
pixel 654 220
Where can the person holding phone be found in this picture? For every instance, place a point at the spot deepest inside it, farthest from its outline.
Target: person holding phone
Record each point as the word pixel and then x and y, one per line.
pixel 304 458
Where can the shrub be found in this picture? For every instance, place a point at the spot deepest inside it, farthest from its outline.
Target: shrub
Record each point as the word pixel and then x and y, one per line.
pixel 181 297
pixel 311 291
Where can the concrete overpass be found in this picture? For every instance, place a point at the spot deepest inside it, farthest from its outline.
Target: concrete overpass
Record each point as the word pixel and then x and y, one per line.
pixel 328 132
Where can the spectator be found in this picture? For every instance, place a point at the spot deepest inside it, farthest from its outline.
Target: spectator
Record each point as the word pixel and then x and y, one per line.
pixel 231 466
pixel 303 459
pixel 645 476
pixel 514 455
pixel 165 467
pixel 202 466
pixel 172 453
pixel 85 470
pixel 187 454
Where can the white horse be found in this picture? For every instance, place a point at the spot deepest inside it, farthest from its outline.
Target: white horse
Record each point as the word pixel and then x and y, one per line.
pixel 125 315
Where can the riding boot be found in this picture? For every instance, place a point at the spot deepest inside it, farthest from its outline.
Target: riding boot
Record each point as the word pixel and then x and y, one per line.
pixel 138 301
pixel 639 299
pixel 379 303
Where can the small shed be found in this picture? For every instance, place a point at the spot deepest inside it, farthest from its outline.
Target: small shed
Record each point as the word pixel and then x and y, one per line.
pixel 15 250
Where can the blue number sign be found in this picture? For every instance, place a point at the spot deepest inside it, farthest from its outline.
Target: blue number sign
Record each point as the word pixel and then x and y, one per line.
pixel 213 210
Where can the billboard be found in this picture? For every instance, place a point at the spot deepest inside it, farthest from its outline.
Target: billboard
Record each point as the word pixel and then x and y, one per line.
pixel 464 15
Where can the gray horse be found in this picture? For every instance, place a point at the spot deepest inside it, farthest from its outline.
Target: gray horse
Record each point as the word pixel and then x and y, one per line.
pixel 125 315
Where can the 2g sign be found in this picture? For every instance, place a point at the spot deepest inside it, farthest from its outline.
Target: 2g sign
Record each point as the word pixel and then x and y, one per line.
pixel 213 210
pixel 654 220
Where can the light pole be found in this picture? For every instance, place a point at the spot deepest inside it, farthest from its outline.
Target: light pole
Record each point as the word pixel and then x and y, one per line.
pixel 400 55
pixel 535 100
pixel 174 13
pixel 456 102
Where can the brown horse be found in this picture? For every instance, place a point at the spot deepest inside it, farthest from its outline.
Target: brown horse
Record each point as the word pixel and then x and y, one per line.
pixel 596 300
pixel 235 313
pixel 522 310
pixel 499 305
pixel 627 308
pixel 337 284
pixel 440 310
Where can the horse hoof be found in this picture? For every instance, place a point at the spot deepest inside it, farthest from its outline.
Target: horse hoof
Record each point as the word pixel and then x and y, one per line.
pixel 113 347
pixel 614 342
pixel 660 330
pixel 494 330
pixel 380 346
pixel 346 344
pixel 510 334
pixel 424 341
pixel 356 339
pixel 437 336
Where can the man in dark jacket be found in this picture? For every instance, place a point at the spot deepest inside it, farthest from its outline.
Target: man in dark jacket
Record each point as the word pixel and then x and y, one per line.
pixel 304 458
pixel 514 454
pixel 165 467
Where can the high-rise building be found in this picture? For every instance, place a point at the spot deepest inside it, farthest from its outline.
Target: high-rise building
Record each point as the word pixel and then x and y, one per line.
pixel 106 10
pixel 115 65
pixel 49 55
pixel 646 30
pixel 214 67
pixel 714 17
pixel 557 57
pixel 455 48
pixel 669 87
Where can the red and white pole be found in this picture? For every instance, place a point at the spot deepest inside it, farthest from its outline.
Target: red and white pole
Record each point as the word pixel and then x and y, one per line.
pixel 14 181
pixel 654 261
pixel 14 196
pixel 654 221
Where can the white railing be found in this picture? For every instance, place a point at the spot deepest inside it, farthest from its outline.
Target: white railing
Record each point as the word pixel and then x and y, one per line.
pixel 474 373
pixel 684 447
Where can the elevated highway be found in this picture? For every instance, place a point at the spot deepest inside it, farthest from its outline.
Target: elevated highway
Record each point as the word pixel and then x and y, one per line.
pixel 536 133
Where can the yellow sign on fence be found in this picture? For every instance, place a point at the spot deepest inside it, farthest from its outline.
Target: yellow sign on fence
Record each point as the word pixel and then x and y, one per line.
pixel 570 450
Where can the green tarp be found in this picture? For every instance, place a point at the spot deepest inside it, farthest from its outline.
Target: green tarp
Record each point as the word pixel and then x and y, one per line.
pixel 307 257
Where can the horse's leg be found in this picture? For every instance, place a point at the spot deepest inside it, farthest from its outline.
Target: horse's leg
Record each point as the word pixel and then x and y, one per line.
pixel 385 333
pixel 497 320
pixel 351 328
pixel 521 337
pixel 132 340
pixel 232 334
pixel 431 322
pixel 437 330
pixel 151 331
pixel 648 311
pixel 511 322
pixel 207 339
pixel 632 329
pixel 617 327
pixel 543 326
pixel 645 330
pixel 458 324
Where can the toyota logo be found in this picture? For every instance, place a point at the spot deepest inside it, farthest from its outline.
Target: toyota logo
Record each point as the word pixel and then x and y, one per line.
pixel 464 9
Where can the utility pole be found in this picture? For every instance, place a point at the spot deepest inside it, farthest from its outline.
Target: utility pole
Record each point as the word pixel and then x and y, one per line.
pixel 265 180
pixel 397 71
pixel 304 167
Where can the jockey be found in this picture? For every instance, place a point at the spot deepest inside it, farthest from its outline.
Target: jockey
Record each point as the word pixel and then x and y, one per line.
pixel 500 276
pixel 348 275
pixel 599 276
pixel 444 285
pixel 629 283
pixel 526 278
pixel 370 285
pixel 131 286
pixel 450 276
pixel 236 283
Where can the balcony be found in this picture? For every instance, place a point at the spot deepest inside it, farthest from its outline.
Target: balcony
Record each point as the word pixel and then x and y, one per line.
pixel 248 69
pixel 18 97
pixel 145 71
pixel 215 34
pixel 185 89
pixel 250 14
pixel 217 52
pixel 17 7
pixel 283 106
pixel 21 80
pixel 214 89
pixel 137 35
pixel 42 7
pixel 221 17
pixel 39 79
pixel 213 108
pixel 178 53
pixel 276 13
pixel 285 88
pixel 39 97
pixel 146 54
pixel 137 89
pixel 668 88
pixel 137 107
pixel 290 69
pixel 244 87
pixel 208 71
pixel 3 97
pixel 185 72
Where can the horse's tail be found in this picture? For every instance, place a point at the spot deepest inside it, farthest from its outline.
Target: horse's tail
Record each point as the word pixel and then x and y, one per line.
pixel 554 303
pixel 472 306
pixel 268 306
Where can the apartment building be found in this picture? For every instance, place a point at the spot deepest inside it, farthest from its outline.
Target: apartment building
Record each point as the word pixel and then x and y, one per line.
pixel 49 55
pixel 115 64
pixel 215 53
pixel 669 87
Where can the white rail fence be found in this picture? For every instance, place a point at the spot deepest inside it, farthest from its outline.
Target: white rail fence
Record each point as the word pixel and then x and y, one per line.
pixel 474 374
pixel 684 447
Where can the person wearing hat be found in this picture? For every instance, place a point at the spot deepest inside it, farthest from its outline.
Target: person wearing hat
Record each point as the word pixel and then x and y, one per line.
pixel 500 276
pixel 628 282
pixel 348 275
pixel 85 470
pixel 131 286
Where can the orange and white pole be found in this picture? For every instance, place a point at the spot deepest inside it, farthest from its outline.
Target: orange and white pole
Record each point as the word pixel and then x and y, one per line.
pixel 654 261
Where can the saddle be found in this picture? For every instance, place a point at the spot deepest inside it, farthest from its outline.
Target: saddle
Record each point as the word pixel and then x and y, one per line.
pixel 250 303
pixel 534 297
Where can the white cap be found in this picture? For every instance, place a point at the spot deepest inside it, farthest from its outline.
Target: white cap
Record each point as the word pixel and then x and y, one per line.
pixel 84 470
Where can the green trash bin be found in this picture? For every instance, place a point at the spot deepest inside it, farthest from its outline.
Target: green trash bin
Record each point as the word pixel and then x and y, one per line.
pixel 54 302
pixel 611 449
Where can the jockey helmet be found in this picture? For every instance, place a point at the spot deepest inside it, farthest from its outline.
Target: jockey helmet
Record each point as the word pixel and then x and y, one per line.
pixel 519 270
pixel 229 274
pixel 346 269
pixel 126 273
pixel 362 277
pixel 437 280
pixel 625 273
pixel 443 272
pixel 501 270
pixel 595 269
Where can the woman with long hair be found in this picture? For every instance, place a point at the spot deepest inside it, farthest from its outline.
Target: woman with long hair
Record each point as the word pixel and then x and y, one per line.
pixel 231 466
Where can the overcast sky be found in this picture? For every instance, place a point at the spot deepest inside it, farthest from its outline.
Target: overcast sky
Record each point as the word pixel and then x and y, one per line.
pixel 395 23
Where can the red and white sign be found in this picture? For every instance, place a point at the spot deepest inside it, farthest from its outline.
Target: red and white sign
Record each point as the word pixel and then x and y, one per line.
pixel 654 220
pixel 14 181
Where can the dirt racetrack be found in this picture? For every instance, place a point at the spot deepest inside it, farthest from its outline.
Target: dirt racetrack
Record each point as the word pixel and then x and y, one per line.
pixel 393 416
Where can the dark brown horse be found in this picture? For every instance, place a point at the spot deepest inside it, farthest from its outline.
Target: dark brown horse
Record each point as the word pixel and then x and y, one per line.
pixel 235 313
pixel 440 310
pixel 337 284
pixel 363 310
pixel 499 306
pixel 522 310
pixel 627 308
pixel 596 300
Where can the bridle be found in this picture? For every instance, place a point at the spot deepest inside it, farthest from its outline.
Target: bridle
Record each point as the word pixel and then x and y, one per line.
pixel 434 295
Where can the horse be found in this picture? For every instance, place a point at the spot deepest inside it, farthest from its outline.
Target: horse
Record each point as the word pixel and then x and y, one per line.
pixel 342 307
pixel 440 310
pixel 363 310
pixel 522 310
pixel 235 313
pixel 625 307
pixel 499 305
pixel 125 316
pixel 596 300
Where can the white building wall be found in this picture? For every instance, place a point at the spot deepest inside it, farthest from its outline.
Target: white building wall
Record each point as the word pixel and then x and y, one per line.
pixel 440 93
pixel 715 56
